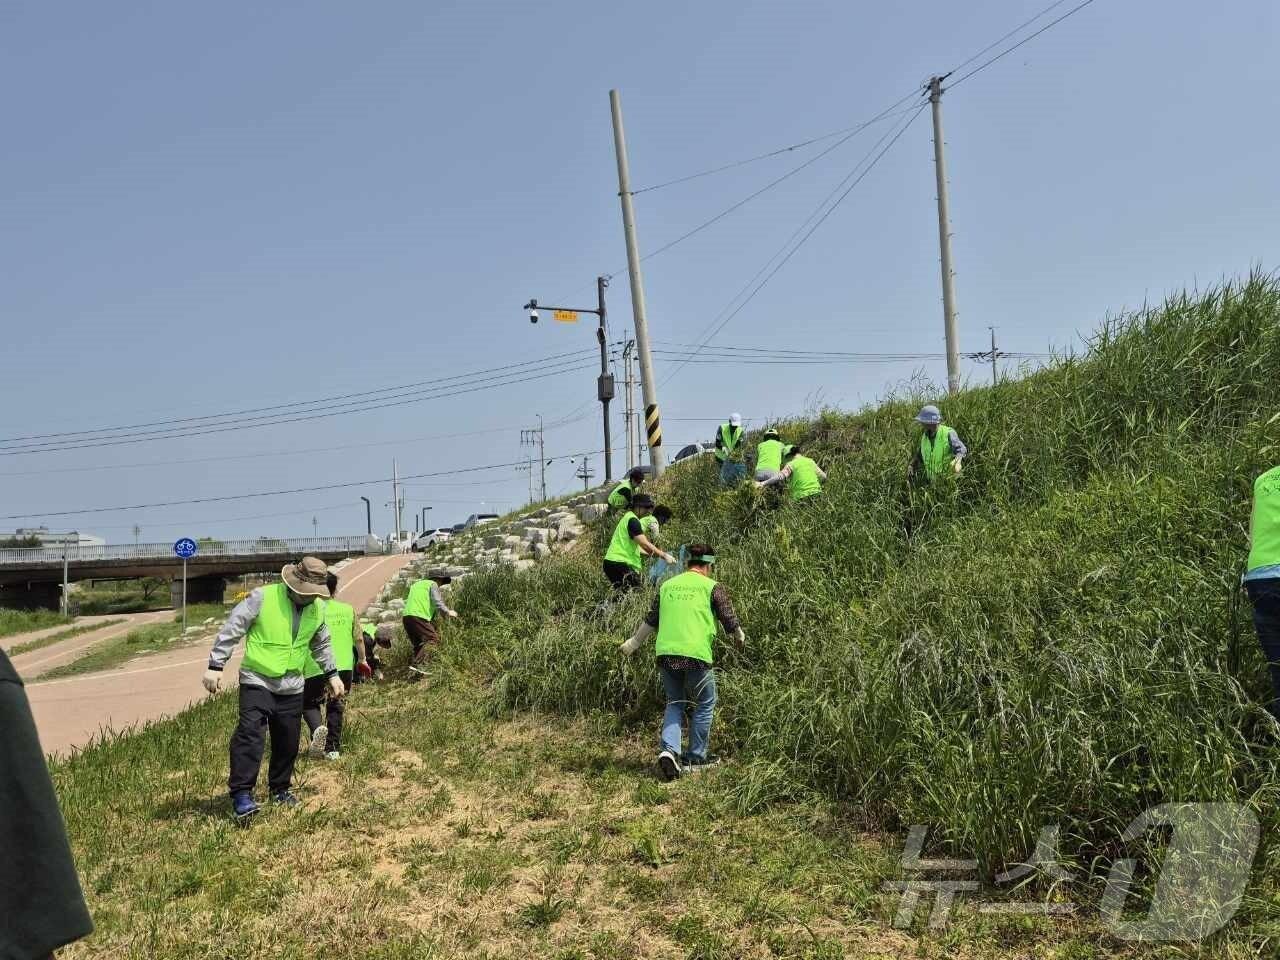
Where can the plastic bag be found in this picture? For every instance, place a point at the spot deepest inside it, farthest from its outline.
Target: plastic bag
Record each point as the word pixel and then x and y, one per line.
pixel 661 570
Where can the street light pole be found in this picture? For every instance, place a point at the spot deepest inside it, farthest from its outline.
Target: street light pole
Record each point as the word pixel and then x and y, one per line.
pixel 424 519
pixel 605 387
pixel 368 515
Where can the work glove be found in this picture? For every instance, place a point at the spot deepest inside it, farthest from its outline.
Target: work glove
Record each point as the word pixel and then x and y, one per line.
pixel 336 688
pixel 643 633
pixel 211 680
pixel 670 559
pixel 957 464
pixel 366 671
pixel 452 614
pixel 740 637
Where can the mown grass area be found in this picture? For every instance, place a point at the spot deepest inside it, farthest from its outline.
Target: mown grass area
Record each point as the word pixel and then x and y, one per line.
pixel 32 645
pixel 447 832
pixel 24 621
pixel 152 638
pixel 122 596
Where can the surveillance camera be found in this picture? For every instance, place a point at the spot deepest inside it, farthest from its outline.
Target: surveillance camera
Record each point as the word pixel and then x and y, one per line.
pixel 533 316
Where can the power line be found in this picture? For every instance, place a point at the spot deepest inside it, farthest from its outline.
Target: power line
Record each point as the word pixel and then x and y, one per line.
pixel 242 425
pixel 1027 39
pixel 902 128
pixel 437 383
pixel 277 493
pixel 781 150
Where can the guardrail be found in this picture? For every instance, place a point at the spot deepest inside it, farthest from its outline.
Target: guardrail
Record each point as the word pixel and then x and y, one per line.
pixel 261 546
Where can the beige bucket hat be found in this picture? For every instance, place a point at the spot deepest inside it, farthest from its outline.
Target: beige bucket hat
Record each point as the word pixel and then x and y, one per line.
pixel 308 577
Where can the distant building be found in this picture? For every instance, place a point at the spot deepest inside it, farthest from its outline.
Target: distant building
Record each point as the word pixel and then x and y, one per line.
pixel 49 539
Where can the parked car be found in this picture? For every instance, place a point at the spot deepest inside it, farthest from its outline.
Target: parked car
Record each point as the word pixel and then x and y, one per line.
pixel 457 528
pixel 477 519
pixel 431 538
pixel 693 450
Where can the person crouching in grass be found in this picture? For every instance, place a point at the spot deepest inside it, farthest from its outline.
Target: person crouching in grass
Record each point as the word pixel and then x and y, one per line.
pixel 683 618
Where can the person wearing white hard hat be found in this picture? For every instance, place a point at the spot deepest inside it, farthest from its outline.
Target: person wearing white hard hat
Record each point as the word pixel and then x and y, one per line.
pixel 729 450
pixel 940 447
pixel 279 623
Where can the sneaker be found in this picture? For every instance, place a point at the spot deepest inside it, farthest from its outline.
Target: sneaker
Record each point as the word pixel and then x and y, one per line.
pixel 318 737
pixel 379 676
pixel 333 755
pixel 285 798
pixel 699 764
pixel 669 766
pixel 243 805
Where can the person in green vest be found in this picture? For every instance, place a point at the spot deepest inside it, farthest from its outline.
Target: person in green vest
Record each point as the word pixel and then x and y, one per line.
pixel 624 558
pixel 769 454
pixel 620 497
pixel 420 608
pixel 652 524
pixel 803 477
pixel 370 640
pixel 940 447
pixel 326 734
pixel 729 450
pixel 279 623
pixel 1262 575
pixel 683 619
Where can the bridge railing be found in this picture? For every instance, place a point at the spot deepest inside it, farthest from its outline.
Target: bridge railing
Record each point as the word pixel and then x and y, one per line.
pixel 260 546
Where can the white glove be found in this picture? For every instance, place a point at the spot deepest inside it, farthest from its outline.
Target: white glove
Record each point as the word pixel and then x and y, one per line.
pixel 740 637
pixel 452 614
pixel 211 680
pixel 957 464
pixel 643 633
pixel 336 689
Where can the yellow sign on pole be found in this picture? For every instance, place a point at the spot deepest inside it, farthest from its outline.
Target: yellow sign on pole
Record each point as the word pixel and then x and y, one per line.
pixel 566 316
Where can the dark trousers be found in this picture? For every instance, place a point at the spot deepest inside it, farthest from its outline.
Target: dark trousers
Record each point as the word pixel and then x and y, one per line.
pixel 422 636
pixel 622 576
pixel 314 690
pixel 262 710
pixel 1265 596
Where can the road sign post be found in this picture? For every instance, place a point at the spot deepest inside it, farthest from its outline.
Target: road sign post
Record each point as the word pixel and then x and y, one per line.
pixel 186 549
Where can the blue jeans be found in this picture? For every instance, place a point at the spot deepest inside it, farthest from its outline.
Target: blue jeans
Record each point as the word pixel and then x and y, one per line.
pixel 693 691
pixel 732 472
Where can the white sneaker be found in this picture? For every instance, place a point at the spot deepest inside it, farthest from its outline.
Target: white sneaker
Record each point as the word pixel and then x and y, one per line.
pixel 669 766
pixel 333 755
pixel 318 737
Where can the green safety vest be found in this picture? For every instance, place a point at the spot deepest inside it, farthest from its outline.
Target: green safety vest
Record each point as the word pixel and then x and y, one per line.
pixel 647 523
pixel 419 602
pixel 370 630
pixel 622 549
pixel 1264 525
pixel 769 455
pixel 936 455
pixel 686 623
pixel 271 649
pixel 804 480
pixel 730 437
pixel 338 617
pixel 616 499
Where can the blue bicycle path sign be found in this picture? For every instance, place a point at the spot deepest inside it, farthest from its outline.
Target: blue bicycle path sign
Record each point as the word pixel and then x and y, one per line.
pixel 185 548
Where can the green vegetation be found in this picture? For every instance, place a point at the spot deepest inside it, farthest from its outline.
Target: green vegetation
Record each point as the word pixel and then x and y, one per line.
pixel 25 621
pixel 32 645
pixel 1055 637
pixel 122 596
pixel 17 543
pixel 152 638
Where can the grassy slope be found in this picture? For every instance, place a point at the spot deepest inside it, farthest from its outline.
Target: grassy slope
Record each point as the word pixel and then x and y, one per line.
pixel 1047 640
pixel 32 645
pixel 26 621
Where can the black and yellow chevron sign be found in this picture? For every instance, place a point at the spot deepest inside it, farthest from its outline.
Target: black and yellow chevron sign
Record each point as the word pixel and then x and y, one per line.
pixel 653 425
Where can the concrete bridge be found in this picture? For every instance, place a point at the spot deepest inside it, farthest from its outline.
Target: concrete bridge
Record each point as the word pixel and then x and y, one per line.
pixel 33 577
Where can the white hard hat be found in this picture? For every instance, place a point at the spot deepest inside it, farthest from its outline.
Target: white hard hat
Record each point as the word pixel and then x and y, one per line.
pixel 735 419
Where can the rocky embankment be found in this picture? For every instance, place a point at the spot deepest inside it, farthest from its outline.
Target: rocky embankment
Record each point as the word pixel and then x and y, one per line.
pixel 519 543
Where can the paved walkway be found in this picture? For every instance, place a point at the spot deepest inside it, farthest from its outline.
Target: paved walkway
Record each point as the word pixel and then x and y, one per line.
pixel 33 664
pixel 8 643
pixel 73 711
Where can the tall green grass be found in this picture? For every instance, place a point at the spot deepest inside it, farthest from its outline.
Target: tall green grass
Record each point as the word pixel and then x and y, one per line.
pixel 1053 637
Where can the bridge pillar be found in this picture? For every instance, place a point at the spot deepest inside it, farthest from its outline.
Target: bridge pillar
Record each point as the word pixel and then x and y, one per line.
pixel 206 589
pixel 31 596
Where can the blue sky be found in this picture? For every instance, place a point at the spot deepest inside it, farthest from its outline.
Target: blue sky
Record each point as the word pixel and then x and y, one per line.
pixel 212 207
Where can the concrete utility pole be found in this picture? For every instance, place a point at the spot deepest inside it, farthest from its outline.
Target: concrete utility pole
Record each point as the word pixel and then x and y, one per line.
pixel 396 504
pixel 529 438
pixel 652 418
pixel 585 473
pixel 944 240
